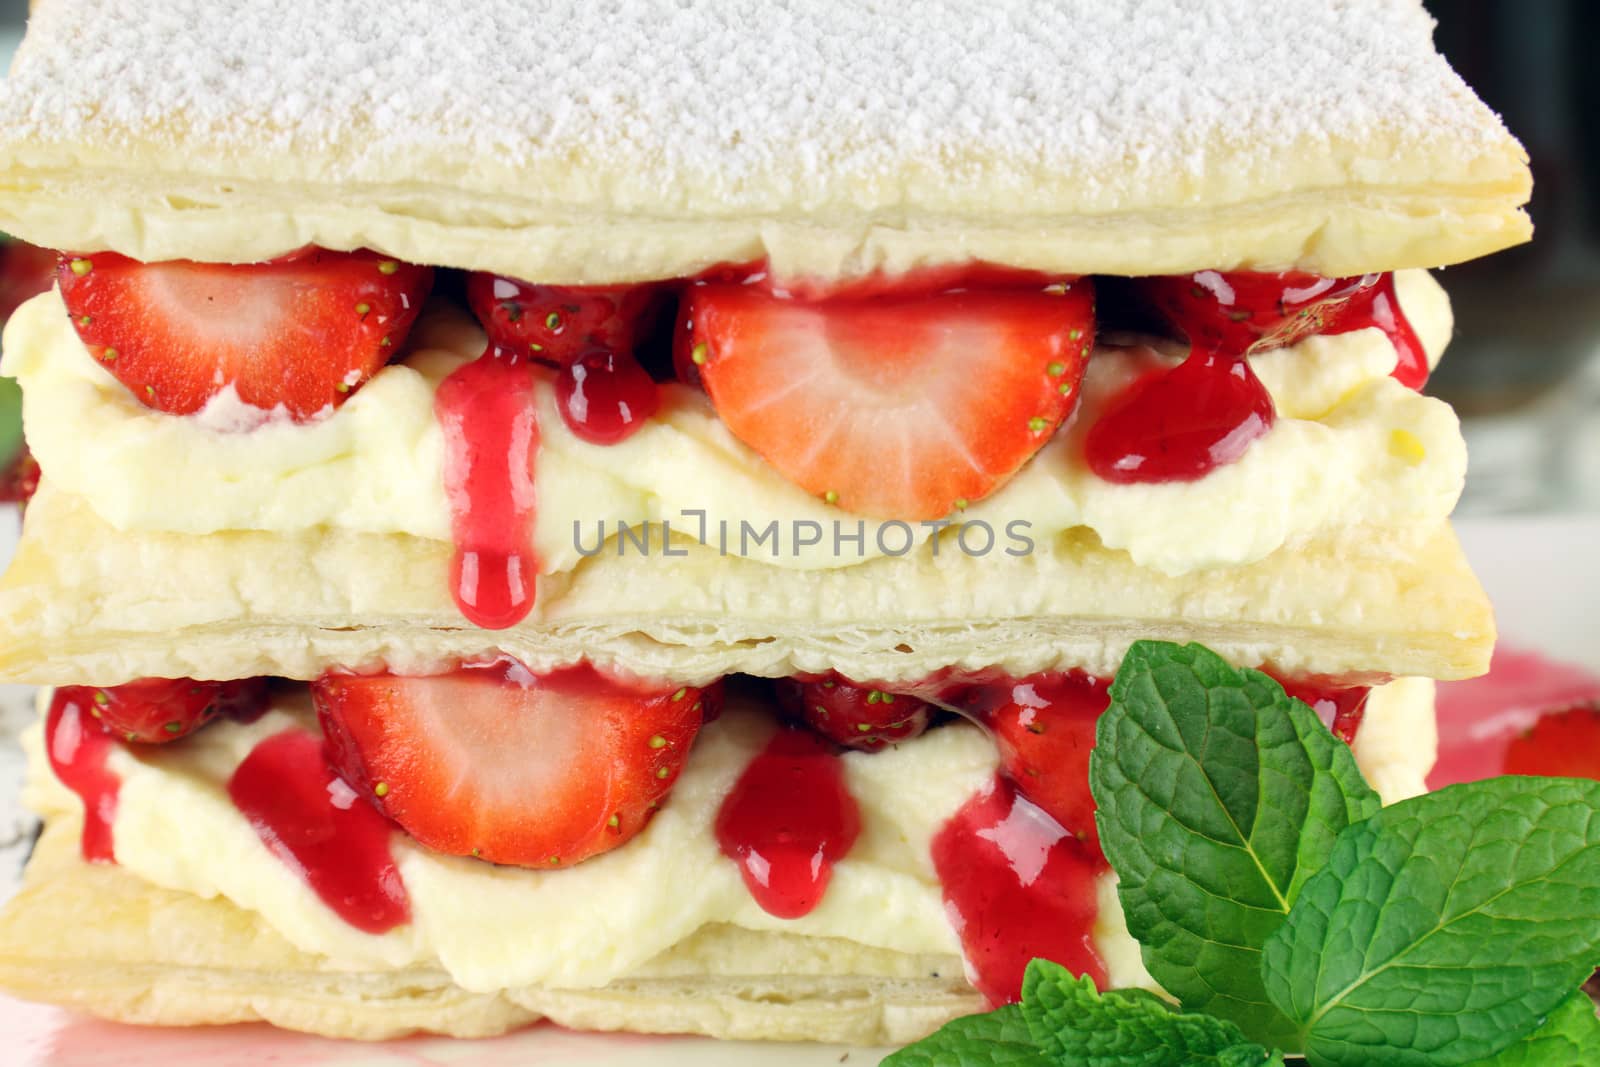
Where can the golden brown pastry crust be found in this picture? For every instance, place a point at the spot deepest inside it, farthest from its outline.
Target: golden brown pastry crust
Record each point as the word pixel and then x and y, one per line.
pixel 1332 138
pixel 159 957
pixel 85 604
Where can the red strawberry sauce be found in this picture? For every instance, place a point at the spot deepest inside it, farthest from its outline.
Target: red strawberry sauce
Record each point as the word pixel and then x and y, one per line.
pixel 1180 423
pixel 1377 306
pixel 1016 886
pixel 1486 723
pixel 788 820
pixel 78 748
pixel 605 397
pixel 322 829
pixel 491 433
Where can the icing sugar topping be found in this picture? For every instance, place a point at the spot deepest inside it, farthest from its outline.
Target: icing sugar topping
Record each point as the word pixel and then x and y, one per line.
pixel 743 88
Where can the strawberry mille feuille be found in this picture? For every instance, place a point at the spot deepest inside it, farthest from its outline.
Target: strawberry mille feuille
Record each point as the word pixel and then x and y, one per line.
pixel 628 516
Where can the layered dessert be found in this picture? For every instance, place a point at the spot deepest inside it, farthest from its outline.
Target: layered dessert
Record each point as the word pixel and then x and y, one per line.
pixel 638 533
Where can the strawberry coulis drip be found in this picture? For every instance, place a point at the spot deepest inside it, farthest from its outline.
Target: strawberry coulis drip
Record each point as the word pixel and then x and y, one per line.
pixel 1180 423
pixel 487 412
pixel 605 397
pixel 78 748
pixel 1017 886
pixel 1378 306
pixel 788 820
pixel 322 829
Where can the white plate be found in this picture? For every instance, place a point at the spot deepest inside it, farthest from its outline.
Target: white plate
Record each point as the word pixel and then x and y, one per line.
pixel 1543 575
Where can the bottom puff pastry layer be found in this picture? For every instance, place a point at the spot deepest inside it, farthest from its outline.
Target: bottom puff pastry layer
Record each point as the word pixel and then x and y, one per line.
pixel 156 956
pixel 84 603
pixel 102 939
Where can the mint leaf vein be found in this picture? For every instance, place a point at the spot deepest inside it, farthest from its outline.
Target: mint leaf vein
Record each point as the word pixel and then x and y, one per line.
pixel 1218 797
pixel 1446 927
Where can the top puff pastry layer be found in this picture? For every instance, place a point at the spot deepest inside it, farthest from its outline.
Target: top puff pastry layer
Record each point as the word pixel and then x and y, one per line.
pixel 570 142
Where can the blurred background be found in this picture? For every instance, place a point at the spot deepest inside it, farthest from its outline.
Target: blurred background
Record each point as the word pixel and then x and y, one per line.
pixel 1524 369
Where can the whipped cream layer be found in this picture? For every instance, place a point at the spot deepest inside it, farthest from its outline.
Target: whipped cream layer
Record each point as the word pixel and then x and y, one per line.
pixel 1350 447
pixel 582 927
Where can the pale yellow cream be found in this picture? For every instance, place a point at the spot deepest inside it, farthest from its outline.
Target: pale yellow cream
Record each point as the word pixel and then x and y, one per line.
pixel 501 927
pixel 1351 446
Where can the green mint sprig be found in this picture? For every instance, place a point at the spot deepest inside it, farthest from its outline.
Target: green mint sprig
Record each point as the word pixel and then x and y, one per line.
pixel 1284 909
pixel 1218 796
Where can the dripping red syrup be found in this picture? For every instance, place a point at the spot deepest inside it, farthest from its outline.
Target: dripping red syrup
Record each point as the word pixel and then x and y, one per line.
pixel 788 820
pixel 1018 882
pixel 1017 886
pixel 605 397
pixel 1378 306
pixel 487 412
pixel 78 748
pixel 322 829
pixel 1180 423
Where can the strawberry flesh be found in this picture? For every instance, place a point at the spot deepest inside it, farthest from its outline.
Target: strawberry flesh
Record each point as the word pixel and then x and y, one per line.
pixel 904 407
pixel 154 711
pixel 511 767
pixel 301 333
pixel 856 716
pixel 1044 727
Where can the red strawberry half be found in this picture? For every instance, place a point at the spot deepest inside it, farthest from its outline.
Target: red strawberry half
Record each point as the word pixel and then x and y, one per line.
pixel 498 763
pixel 852 715
pixel 1044 727
pixel 558 324
pixel 156 710
pixel 1561 744
pixel 897 407
pixel 304 331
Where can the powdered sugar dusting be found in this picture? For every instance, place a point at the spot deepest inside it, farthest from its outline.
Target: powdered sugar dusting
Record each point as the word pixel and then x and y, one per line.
pixel 737 88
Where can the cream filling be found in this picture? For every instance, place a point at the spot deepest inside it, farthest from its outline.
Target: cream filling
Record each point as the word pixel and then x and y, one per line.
pixel 1350 447
pixel 500 927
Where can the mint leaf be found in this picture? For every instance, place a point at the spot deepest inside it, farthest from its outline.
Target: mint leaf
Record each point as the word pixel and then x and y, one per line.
pixel 1569 1038
pixel 999 1038
pixel 1073 1024
pixel 1219 796
pixel 1446 927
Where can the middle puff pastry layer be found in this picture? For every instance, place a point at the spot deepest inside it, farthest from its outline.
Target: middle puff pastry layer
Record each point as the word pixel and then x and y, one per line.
pixel 84 603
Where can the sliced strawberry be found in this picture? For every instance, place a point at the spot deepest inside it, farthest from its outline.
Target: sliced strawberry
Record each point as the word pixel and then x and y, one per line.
pixel 1242 311
pixel 856 716
pixel 25 271
pixel 1561 744
pixel 897 407
pixel 304 331
pixel 516 768
pixel 153 711
pixel 1044 728
pixel 558 324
